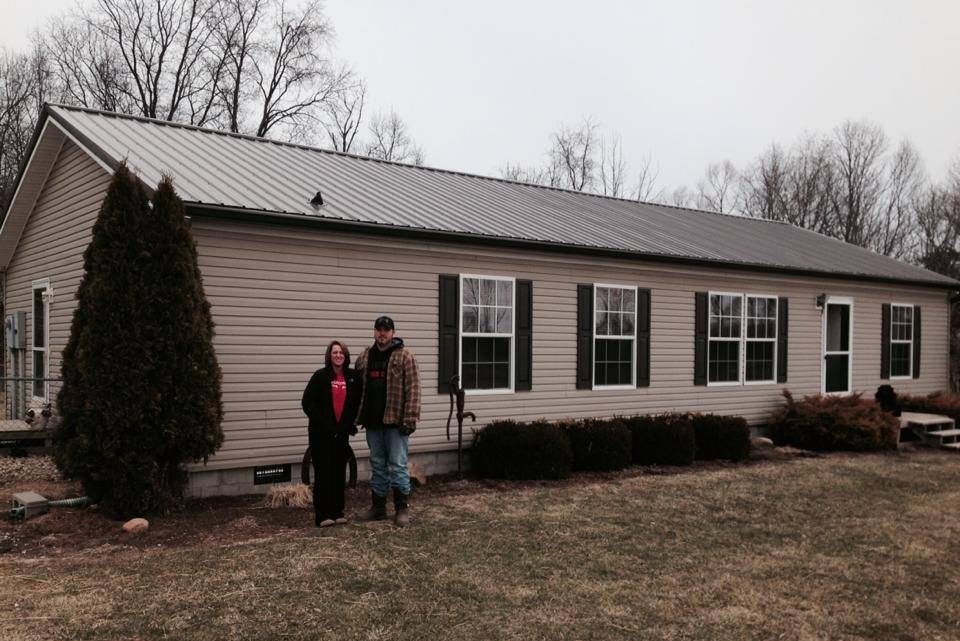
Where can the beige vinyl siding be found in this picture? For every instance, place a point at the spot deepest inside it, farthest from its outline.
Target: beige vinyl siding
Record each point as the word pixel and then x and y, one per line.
pixel 51 247
pixel 280 294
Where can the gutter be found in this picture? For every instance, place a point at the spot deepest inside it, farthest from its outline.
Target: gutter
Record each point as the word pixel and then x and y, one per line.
pixel 238 214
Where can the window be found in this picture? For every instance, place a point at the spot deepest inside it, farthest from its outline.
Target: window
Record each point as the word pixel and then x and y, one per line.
pixel 901 340
pixel 41 313
pixel 742 339
pixel 486 333
pixel 614 335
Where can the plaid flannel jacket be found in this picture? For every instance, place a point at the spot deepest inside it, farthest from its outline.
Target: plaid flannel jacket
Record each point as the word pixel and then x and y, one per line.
pixel 403 388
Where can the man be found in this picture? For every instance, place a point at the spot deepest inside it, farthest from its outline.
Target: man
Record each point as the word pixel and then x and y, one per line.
pixel 389 411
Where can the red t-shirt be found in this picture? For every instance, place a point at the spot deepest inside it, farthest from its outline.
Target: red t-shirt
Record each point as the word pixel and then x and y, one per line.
pixel 338 387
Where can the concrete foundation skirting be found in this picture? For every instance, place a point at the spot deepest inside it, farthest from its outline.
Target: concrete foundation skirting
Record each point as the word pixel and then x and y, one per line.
pixel 239 481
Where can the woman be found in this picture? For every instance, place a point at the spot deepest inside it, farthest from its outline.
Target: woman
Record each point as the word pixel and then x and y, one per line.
pixel 331 401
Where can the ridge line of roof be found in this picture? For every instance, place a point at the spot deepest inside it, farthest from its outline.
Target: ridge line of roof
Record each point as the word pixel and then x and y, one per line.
pixel 233 134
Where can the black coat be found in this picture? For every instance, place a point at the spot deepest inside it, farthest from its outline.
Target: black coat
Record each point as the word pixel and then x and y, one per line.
pixel 318 403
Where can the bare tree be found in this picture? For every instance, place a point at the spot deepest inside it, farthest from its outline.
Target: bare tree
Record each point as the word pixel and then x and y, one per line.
pixel 645 189
pixel 344 115
pixel 573 153
pixel 858 149
pixel 390 140
pixel 893 224
pixel 682 197
pixel 716 191
pixel 613 169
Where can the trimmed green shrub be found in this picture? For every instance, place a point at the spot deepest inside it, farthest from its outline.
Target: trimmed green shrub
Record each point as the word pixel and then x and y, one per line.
pixel 936 403
pixel 141 383
pixel 511 450
pixel 664 439
pixel 599 445
pixel 721 437
pixel 828 423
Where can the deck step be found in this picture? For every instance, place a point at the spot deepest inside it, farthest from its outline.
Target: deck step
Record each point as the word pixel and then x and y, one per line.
pixel 950 446
pixel 944 433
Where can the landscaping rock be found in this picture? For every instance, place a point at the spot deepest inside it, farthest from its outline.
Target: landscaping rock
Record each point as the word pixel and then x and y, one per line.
pixel 761 443
pixel 417 476
pixel 136 526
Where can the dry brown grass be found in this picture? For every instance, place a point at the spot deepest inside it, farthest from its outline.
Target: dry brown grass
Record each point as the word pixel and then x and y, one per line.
pixel 298 495
pixel 837 547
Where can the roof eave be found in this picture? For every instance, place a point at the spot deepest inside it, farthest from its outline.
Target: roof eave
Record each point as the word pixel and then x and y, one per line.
pixel 352 226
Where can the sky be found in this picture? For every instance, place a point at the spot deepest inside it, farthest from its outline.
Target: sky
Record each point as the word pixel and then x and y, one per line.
pixel 683 83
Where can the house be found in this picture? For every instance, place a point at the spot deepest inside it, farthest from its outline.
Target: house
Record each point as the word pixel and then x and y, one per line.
pixel 548 303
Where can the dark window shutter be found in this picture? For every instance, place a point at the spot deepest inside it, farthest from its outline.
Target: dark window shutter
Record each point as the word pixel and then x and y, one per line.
pixel 523 368
pixel 783 331
pixel 584 336
pixel 448 365
pixel 700 339
pixel 885 341
pixel 643 338
pixel 916 341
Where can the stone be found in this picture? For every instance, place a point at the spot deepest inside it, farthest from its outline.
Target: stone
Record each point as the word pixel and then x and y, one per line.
pixel 761 443
pixel 136 526
pixel 417 476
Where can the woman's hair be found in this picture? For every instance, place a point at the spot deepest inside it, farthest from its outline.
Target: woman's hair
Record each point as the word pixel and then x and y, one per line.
pixel 346 354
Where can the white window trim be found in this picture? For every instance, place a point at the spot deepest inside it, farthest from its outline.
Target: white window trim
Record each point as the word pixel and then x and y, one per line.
pixel 43 284
pixel 838 300
pixel 512 335
pixel 593 350
pixel 909 375
pixel 742 340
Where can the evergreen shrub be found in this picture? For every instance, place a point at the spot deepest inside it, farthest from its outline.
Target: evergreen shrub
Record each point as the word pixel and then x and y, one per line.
pixel 663 439
pixel 511 450
pixel 829 423
pixel 720 437
pixel 141 383
pixel 599 445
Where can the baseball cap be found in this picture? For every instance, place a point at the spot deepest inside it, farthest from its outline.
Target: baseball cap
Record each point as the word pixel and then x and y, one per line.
pixel 384 322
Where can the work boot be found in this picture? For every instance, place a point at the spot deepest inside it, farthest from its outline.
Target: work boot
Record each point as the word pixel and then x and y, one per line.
pixel 401 515
pixel 378 508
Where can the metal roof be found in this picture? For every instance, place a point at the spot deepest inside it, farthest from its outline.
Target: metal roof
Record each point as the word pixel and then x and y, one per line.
pixel 217 169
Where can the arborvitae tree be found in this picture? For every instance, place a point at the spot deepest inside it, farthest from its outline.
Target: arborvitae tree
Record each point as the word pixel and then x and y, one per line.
pixel 141 383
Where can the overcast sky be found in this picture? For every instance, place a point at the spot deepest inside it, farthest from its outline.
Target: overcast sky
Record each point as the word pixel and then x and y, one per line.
pixel 683 82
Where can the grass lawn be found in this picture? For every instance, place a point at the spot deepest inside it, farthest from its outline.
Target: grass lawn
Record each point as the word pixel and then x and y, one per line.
pixel 837 547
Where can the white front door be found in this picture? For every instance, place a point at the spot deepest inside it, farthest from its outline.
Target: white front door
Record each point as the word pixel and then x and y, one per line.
pixel 837 353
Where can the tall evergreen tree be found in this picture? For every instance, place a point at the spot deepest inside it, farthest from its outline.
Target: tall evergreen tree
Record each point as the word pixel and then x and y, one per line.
pixel 141 383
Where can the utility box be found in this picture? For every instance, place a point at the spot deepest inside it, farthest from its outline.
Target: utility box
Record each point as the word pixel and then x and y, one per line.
pixel 31 503
pixel 15 330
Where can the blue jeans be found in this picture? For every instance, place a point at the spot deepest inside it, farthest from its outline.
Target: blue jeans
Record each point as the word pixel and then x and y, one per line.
pixel 388 460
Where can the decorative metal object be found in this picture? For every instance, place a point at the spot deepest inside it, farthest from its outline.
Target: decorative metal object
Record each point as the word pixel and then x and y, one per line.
pixel 457 394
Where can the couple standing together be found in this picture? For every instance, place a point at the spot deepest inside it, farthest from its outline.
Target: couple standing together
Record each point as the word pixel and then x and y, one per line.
pixel 382 394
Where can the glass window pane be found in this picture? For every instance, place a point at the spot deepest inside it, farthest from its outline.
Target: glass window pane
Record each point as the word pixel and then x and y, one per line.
pixel 715 305
pixel 726 305
pixel 600 350
pixel 600 299
pixel 485 376
pixel 616 299
pixel 737 305
pixel 501 376
pixel 484 350
pixel 759 361
pixel 504 293
pixel 487 320
pixel 602 324
pixel 838 327
pixel 752 308
pixel 470 319
pixel 726 327
pixel 469 350
pixel 628 328
pixel 488 292
pixel 470 289
pixel 501 350
pixel 39 371
pixel 735 327
pixel 469 380
pixel 504 320
pixel 714 327
pixel 724 361
pixel 600 372
pixel 752 328
pixel 629 300
pixel 837 370
pixel 39 319
pixel 900 359
pixel 615 324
